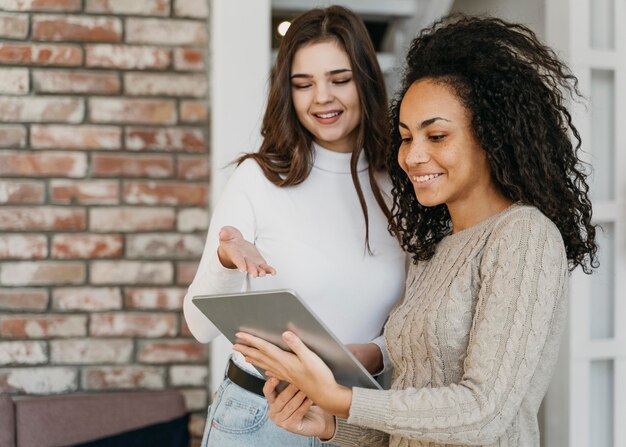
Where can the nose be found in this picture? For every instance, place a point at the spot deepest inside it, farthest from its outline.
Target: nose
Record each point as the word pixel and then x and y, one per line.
pixel 323 94
pixel 416 154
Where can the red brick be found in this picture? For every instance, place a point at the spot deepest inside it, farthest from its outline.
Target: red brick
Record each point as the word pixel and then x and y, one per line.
pixel 117 165
pixel 155 297
pixel 23 299
pixel 170 193
pixel 91 351
pixel 23 353
pixel 188 59
pixel 41 5
pixel 87 351
pixel 43 164
pixel 124 219
pixel 41 54
pixel 161 84
pixel 171 351
pixel 85 192
pixel 15 192
pixel 132 111
pixel 127 324
pixel 14 81
pixel 134 7
pixel 185 272
pixel 85 246
pixel 76 28
pixel 193 112
pixel 191 8
pixel 41 109
pixel 192 219
pixel 23 246
pixel 189 375
pixel 189 139
pixel 195 400
pixel 193 167
pixel 55 81
pixel 122 377
pixel 43 326
pixel 42 218
pixel 38 380
pixel 130 272
pixel 87 298
pixel 126 57
pixel 13 26
pixel 164 246
pixel 75 137
pixel 184 328
pixel 12 136
pixel 166 32
pixel 42 273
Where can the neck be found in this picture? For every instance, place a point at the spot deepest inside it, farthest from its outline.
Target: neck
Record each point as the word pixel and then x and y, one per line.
pixel 469 213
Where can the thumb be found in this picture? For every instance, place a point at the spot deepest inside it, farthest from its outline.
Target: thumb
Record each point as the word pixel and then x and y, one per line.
pixel 295 344
pixel 229 233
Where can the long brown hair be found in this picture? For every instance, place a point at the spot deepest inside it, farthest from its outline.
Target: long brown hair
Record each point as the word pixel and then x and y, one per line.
pixel 286 154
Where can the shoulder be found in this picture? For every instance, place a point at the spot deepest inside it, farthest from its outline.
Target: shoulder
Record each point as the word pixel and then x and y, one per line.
pixel 247 174
pixel 525 216
pixel 526 226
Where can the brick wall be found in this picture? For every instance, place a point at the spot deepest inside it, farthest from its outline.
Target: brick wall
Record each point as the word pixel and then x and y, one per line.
pixel 103 194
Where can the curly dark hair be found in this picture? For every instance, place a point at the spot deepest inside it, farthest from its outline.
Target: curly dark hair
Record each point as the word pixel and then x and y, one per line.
pixel 515 89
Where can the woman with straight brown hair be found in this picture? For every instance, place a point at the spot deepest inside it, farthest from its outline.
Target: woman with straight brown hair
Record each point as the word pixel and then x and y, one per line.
pixel 308 212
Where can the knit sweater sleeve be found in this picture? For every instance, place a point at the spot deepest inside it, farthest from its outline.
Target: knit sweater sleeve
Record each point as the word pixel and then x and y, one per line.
pixel 523 280
pixel 236 208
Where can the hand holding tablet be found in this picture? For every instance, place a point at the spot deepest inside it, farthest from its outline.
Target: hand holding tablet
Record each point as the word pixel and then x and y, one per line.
pixel 269 314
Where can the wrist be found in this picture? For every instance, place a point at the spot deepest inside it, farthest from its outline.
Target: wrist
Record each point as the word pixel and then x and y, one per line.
pixel 339 401
pixel 224 259
pixel 377 356
pixel 331 428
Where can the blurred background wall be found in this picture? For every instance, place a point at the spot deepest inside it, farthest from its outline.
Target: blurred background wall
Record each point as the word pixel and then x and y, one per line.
pixel 103 194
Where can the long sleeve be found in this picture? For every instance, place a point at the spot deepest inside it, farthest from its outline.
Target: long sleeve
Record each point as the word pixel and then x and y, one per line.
pixel 234 208
pixel 515 328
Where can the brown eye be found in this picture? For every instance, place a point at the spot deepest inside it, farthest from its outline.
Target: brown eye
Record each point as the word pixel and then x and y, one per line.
pixel 436 138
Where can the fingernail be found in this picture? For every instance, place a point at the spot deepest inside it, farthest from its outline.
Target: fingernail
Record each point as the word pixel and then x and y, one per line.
pixel 288 336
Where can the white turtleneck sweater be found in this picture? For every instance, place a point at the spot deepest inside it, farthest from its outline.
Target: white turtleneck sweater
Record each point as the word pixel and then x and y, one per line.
pixel 313 234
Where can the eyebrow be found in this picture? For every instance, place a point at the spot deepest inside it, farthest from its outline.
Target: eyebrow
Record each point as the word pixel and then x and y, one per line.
pixel 425 123
pixel 328 73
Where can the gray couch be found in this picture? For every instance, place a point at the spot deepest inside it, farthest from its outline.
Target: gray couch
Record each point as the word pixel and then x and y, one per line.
pixel 156 418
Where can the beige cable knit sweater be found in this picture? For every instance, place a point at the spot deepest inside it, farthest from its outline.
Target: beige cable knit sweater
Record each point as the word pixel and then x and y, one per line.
pixel 474 343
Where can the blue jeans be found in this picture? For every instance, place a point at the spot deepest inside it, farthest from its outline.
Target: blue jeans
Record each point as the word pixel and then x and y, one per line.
pixel 239 418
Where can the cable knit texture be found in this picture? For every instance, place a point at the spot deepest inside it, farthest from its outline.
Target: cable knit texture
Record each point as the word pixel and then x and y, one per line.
pixel 474 343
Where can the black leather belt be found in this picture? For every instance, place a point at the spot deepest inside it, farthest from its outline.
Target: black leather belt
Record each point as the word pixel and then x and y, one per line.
pixel 244 379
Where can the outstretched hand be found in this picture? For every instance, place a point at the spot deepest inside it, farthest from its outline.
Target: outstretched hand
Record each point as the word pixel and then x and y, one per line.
pixel 294 412
pixel 236 252
pixel 301 367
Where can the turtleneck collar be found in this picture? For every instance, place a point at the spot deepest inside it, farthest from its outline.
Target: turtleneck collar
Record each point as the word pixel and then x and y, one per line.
pixel 337 162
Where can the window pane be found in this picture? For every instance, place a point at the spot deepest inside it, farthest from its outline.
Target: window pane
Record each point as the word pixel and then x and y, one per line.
pixel 601 409
pixel 602 134
pixel 602 28
pixel 602 284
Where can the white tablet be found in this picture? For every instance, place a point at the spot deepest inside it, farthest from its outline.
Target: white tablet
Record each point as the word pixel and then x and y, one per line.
pixel 269 313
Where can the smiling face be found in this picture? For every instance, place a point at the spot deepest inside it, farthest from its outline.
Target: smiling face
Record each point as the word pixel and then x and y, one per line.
pixel 325 95
pixel 439 151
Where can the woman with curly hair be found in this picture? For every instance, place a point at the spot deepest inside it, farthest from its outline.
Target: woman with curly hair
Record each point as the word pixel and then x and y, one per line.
pixel 491 200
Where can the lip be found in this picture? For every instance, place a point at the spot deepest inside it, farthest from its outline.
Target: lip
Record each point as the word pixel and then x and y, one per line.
pixel 327 121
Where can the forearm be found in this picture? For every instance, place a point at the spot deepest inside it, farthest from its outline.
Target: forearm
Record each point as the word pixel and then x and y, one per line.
pixel 211 278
